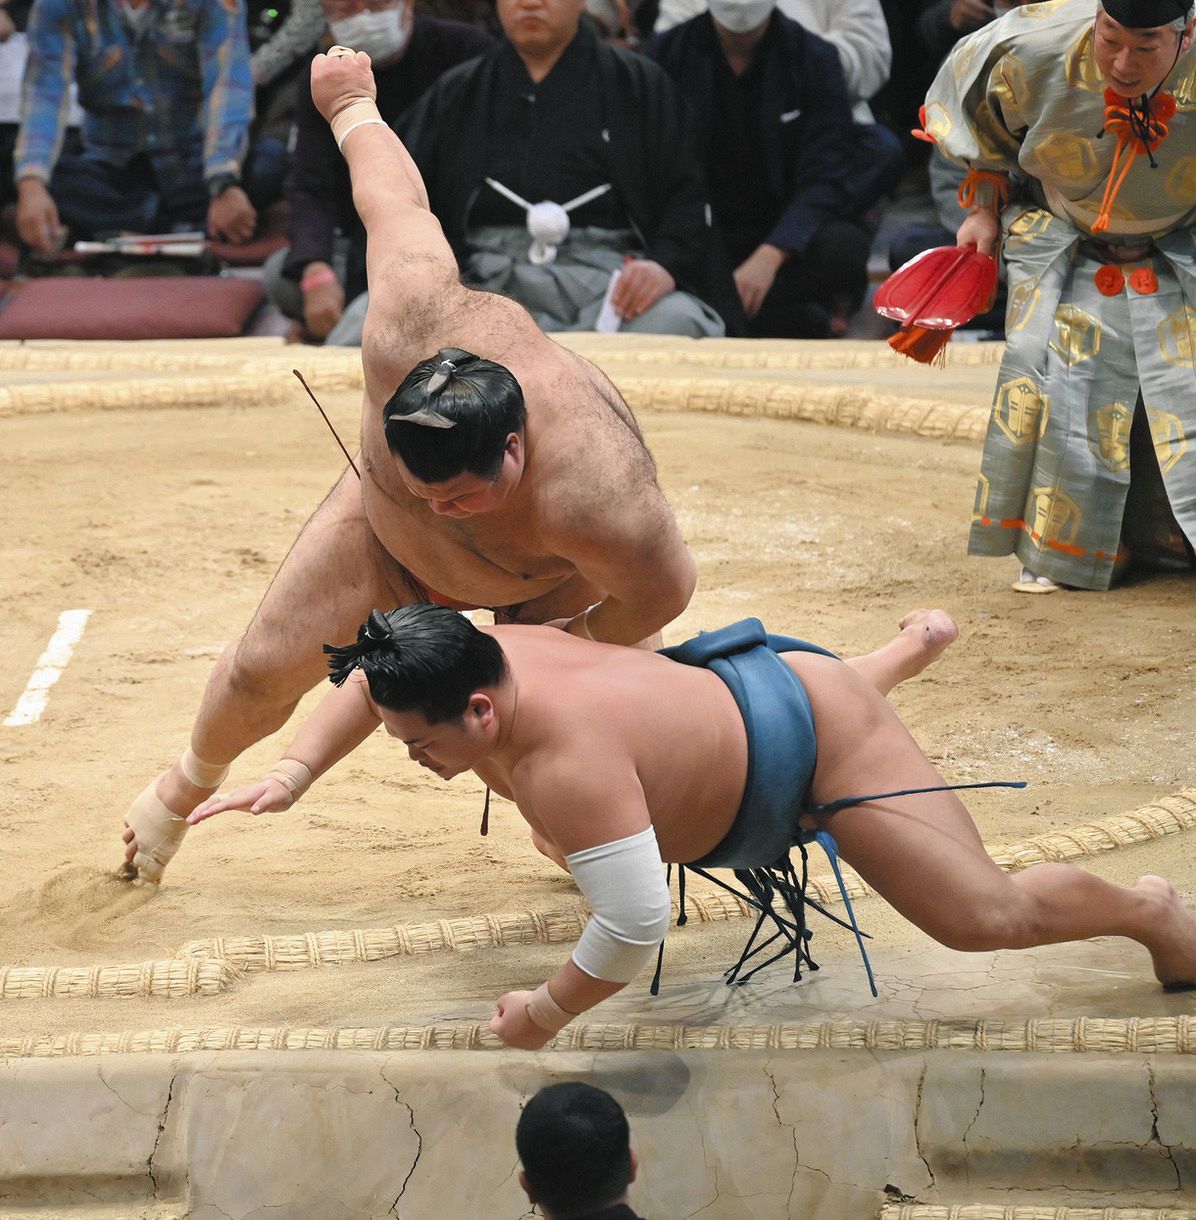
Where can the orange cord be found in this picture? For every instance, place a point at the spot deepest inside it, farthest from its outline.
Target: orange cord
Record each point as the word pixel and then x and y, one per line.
pixel 1160 110
pixel 980 177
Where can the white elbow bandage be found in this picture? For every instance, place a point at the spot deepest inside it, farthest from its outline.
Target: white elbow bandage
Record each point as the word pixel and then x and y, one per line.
pixel 624 883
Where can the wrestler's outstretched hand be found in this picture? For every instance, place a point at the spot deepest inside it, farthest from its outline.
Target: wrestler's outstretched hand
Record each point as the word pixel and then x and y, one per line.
pixel 512 1024
pixel 265 796
pixel 340 78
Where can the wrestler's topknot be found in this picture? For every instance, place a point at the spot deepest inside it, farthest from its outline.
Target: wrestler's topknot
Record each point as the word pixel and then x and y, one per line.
pixel 452 414
pixel 422 658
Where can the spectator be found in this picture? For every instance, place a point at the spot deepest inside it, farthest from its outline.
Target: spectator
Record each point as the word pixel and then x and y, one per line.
pixel 859 33
pixel 553 114
pixel 167 100
pixel 574 1144
pixel 312 279
pixel 13 16
pixel 771 100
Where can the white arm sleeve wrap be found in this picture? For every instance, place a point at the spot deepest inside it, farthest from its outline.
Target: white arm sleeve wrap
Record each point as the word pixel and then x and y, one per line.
pixel 624 883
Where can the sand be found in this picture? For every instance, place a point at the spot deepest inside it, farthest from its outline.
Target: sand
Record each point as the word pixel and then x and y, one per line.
pixel 167 523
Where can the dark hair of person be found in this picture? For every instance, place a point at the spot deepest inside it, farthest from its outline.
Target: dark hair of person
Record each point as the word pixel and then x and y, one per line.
pixel 423 658
pixel 453 414
pixel 575 1147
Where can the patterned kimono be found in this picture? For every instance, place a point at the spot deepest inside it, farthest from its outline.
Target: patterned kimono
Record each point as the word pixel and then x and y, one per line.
pixel 1088 339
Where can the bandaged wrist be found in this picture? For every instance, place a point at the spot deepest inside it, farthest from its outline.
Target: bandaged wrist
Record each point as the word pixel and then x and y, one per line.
pixel 544 1011
pixel 624 883
pixel 293 775
pixel 202 774
pixel 360 113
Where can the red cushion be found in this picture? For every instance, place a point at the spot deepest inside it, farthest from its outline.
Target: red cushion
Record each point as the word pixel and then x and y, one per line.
pixel 170 307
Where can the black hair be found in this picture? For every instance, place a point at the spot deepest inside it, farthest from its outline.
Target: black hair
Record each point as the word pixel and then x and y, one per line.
pixel 575 1147
pixel 452 414
pixel 423 658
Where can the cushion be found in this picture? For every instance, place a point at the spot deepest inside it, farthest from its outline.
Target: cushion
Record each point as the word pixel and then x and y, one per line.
pixel 10 259
pixel 176 307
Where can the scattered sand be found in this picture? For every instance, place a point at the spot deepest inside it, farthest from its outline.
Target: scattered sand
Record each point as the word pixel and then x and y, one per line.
pixel 168 523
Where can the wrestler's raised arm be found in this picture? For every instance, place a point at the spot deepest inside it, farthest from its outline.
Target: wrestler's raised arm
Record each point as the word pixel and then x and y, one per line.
pixel 388 191
pixel 598 820
pixel 341 721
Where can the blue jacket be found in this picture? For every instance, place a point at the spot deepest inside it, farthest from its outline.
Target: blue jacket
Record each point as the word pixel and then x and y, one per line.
pixel 185 79
pixel 805 119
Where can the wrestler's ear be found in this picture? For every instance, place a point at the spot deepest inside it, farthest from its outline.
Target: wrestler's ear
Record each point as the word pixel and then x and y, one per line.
pixel 481 708
pixel 635 1165
pixel 527 1190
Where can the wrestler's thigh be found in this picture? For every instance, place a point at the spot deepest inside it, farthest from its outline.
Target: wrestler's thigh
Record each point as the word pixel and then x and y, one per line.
pixel 335 573
pixel 923 853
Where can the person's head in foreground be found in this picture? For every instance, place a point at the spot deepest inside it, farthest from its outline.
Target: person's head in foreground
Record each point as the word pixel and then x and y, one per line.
pixel 574 1145
pixel 433 676
pixel 456 426
pixel 1139 42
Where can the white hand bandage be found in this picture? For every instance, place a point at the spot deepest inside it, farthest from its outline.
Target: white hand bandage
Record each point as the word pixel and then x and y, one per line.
pixel 624 883
pixel 544 1011
pixel 293 775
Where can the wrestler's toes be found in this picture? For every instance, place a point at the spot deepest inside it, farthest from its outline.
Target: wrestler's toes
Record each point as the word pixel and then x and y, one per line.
pixel 936 629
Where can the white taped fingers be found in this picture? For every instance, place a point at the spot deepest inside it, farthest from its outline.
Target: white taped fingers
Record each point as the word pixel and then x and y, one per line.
pixel 624 883
pixel 158 831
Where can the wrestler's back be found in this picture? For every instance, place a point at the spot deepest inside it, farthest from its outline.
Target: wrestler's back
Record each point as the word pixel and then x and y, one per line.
pixel 610 711
pixel 585 468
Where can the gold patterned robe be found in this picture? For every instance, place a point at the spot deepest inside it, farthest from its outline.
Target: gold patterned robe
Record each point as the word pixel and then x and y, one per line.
pixel 1023 95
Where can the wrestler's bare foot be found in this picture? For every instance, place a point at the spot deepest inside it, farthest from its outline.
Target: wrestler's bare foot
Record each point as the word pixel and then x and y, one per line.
pixel 923 637
pixel 1172 942
pixel 158 813
pixel 933 631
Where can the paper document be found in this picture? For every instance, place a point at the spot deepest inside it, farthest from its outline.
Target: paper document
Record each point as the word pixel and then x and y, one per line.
pixel 608 321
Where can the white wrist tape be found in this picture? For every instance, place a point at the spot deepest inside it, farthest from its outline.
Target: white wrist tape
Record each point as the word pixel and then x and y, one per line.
pixel 202 774
pixel 293 775
pixel 356 114
pixel 624 883
pixel 544 1011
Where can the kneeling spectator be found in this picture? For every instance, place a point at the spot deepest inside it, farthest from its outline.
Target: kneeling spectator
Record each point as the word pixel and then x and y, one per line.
pixel 772 103
pixel 167 99
pixel 597 138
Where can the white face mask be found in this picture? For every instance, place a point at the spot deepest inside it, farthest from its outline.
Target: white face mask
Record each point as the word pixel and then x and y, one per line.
pixel 741 16
pixel 381 35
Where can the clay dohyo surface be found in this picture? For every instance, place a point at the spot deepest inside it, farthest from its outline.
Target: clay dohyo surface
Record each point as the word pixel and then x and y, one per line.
pixel 168 523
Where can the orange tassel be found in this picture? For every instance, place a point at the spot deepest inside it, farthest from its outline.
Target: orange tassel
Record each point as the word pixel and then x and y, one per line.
pixel 922 344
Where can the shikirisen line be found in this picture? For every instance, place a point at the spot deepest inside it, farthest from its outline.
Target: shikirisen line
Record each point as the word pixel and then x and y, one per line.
pixel 50 665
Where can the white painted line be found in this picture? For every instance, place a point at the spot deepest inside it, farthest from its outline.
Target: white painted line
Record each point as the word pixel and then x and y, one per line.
pixel 50 665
